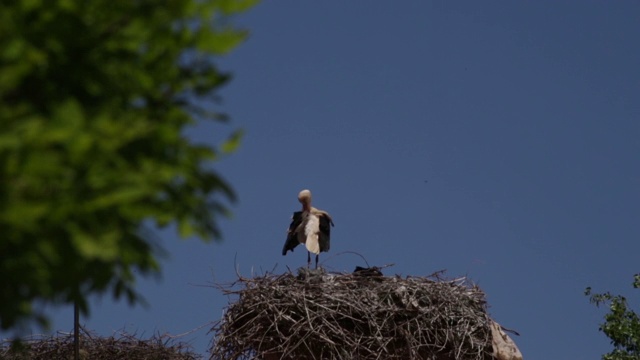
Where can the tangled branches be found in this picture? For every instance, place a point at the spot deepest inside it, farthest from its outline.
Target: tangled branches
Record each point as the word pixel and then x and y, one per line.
pixel 123 347
pixel 364 315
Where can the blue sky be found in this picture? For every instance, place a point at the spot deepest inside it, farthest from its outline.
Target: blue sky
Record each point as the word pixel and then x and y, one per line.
pixel 496 140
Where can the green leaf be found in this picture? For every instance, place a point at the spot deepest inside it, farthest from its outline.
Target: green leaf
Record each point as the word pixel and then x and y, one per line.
pixel 233 142
pixel 103 246
pixel 219 42
pixel 234 6
pixel 185 229
pixel 121 196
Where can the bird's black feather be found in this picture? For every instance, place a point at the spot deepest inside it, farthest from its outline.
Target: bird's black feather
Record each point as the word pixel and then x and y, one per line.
pixel 292 239
pixel 325 232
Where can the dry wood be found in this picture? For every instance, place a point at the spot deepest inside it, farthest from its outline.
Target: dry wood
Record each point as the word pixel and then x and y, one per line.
pixel 121 347
pixel 362 315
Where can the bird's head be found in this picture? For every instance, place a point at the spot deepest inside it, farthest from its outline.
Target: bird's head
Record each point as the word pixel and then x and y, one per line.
pixel 305 198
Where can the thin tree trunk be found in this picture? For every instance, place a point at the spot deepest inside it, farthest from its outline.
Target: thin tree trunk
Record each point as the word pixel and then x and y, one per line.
pixel 76 331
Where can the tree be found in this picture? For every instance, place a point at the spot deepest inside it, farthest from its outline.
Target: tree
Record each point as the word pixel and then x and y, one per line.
pixel 621 325
pixel 94 100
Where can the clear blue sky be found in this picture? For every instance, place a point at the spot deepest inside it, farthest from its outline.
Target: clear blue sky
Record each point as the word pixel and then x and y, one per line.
pixel 497 140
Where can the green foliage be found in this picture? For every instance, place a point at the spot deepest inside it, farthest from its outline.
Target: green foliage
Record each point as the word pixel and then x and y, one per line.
pixel 94 100
pixel 621 325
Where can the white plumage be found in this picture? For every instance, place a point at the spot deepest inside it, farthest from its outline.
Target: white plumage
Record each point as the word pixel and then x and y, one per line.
pixel 311 233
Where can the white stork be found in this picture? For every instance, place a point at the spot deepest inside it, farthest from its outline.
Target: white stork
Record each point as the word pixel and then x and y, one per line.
pixel 311 227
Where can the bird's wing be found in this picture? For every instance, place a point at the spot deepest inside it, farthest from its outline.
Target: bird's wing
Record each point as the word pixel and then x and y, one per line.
pixel 325 230
pixel 292 238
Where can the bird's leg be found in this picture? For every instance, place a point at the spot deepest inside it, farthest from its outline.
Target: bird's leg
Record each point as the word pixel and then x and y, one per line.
pixel 317 255
pixel 308 259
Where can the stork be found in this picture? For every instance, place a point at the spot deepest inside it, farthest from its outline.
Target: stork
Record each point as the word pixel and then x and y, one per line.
pixel 311 227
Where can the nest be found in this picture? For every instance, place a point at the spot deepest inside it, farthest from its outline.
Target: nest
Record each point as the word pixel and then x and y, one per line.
pixel 361 315
pixel 123 347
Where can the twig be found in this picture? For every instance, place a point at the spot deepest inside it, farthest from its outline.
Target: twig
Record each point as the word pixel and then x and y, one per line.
pixel 319 315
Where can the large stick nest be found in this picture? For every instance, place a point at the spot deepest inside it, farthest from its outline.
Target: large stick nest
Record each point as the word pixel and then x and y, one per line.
pixel 123 346
pixel 363 315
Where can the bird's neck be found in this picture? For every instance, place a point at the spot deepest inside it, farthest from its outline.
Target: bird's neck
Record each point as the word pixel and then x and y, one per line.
pixel 306 207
